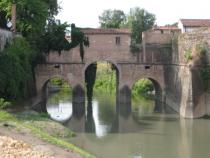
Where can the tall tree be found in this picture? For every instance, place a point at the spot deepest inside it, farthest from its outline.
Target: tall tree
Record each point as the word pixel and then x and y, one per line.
pixel 111 18
pixel 139 20
pixel 32 15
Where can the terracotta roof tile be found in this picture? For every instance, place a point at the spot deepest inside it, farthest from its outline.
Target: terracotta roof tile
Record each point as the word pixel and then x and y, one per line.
pixel 196 22
pixel 106 31
pixel 166 28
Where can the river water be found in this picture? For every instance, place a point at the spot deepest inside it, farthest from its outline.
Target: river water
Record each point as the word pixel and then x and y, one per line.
pixel 130 131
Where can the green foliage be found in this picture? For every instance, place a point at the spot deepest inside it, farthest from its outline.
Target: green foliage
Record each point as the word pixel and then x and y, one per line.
pixel 139 20
pixel 142 87
pixel 205 74
pixel 22 122
pixel 105 79
pixel 16 69
pixel 202 48
pixel 31 15
pixel 188 55
pixel 4 104
pixel 64 85
pixel 111 18
pixel 54 38
pixel 56 81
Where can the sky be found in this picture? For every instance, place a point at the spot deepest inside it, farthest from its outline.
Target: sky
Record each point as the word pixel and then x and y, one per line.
pixel 84 13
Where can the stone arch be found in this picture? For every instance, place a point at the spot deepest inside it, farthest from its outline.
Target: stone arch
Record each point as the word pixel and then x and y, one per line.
pixel 41 84
pixel 39 103
pixel 117 68
pixel 159 92
pixel 102 60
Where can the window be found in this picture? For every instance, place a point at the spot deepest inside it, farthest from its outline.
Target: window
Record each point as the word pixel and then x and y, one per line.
pixel 147 67
pixel 56 66
pixel 117 40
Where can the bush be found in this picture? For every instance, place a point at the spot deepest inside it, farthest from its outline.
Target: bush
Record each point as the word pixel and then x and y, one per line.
pixel 16 69
pixel 4 104
pixel 202 48
pixel 141 87
pixel 188 55
pixel 205 74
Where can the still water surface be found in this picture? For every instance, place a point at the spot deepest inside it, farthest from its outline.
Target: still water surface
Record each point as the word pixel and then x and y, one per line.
pixel 126 131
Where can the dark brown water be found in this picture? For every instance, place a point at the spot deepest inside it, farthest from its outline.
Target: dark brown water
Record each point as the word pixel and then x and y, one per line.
pixel 131 131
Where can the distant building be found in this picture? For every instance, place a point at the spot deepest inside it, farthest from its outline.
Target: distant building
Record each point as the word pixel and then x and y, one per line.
pixel 189 25
pixel 166 29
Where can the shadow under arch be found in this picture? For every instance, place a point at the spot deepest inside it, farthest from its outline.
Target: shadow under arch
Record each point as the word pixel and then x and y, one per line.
pixel 159 94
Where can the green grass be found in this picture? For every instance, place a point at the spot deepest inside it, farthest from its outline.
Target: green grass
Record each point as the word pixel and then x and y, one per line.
pixel 27 121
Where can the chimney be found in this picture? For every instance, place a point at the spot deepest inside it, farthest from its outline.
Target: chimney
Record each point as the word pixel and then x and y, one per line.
pixel 14 17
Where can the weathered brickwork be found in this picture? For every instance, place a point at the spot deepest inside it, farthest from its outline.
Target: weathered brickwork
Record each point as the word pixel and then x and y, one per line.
pixel 161 60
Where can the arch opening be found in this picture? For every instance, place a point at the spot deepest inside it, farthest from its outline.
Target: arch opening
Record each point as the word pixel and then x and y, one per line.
pixel 102 79
pixel 58 93
pixel 147 96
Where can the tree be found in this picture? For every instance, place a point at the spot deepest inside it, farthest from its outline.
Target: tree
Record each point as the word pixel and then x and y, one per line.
pixel 174 24
pixel 54 38
pixel 111 18
pixel 3 20
pixel 139 20
pixel 32 16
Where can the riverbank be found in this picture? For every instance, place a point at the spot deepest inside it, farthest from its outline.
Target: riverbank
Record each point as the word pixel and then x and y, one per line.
pixel 41 133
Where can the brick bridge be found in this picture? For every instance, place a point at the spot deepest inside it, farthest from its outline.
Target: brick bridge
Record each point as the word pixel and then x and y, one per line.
pixel 158 61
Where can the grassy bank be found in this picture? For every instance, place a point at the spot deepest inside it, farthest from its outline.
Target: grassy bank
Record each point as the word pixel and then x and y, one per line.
pixel 36 124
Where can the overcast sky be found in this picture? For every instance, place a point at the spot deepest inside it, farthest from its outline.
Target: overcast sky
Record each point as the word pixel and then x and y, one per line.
pixel 84 13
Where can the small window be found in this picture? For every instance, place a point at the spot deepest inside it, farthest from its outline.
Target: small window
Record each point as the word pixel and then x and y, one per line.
pixel 147 67
pixel 56 66
pixel 117 40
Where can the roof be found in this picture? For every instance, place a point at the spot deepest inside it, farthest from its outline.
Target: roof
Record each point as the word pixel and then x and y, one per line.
pixel 105 31
pixel 166 28
pixel 196 22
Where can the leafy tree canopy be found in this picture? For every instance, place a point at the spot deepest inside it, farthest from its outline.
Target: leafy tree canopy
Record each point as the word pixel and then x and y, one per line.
pixel 139 20
pixel 112 18
pixel 32 15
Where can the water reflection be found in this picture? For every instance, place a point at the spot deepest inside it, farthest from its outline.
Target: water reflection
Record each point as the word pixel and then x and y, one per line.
pixel 58 109
pixel 131 131
pixel 60 112
pixel 102 115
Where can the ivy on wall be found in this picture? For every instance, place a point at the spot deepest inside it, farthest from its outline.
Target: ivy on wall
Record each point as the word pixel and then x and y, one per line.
pixel 54 39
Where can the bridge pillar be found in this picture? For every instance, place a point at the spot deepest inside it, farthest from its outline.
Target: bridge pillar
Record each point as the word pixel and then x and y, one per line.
pixel 124 95
pixel 78 95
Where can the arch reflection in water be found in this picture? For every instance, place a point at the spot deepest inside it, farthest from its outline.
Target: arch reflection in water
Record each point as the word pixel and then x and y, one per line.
pixel 101 128
pixel 60 111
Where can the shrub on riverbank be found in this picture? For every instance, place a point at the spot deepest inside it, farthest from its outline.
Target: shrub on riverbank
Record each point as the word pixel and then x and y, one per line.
pixel 16 69
pixel 142 87
pixel 4 104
